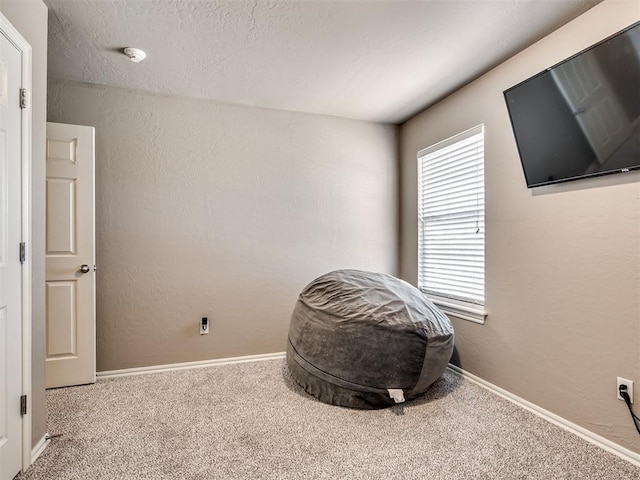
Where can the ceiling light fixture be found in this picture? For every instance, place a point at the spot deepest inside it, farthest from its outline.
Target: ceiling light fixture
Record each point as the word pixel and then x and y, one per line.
pixel 135 54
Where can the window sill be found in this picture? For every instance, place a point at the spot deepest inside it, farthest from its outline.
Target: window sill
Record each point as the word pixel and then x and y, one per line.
pixel 463 310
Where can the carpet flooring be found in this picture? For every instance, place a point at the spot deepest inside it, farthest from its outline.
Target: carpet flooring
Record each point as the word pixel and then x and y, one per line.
pixel 250 421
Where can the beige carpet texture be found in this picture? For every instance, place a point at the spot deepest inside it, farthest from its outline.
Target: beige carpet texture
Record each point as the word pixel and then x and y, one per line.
pixel 250 421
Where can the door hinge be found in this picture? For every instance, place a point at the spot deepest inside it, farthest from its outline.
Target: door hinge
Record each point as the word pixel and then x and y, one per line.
pixel 23 405
pixel 23 98
pixel 23 252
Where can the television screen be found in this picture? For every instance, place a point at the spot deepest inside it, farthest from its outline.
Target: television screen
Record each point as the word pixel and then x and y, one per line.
pixel 581 118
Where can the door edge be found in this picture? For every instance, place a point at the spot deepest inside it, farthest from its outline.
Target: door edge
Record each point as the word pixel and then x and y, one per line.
pixel 14 36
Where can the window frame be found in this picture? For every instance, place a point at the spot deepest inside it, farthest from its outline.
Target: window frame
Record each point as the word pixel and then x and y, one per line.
pixel 465 309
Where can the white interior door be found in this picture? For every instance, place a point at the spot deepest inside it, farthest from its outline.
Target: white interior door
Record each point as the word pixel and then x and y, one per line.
pixel 70 256
pixel 10 265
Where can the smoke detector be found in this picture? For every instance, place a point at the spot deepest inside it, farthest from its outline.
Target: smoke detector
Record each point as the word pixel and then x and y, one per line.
pixel 135 54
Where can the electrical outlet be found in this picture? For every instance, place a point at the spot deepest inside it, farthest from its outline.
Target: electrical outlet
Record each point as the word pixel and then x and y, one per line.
pixel 204 326
pixel 629 384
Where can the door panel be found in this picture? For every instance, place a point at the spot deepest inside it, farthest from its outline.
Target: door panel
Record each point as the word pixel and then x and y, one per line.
pixel 4 83
pixel 3 202
pixel 5 391
pixel 62 150
pixel 70 293
pixel 61 216
pixel 62 317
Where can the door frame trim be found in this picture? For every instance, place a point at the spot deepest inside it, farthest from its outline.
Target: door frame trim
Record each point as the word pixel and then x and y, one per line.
pixel 10 32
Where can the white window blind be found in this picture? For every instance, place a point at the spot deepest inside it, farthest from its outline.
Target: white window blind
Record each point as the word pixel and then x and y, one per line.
pixel 451 218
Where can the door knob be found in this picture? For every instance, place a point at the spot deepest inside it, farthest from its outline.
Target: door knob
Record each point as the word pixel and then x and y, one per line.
pixel 85 269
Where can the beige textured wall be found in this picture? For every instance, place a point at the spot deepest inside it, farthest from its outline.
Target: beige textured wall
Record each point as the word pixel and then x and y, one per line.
pixel 563 262
pixel 30 18
pixel 209 209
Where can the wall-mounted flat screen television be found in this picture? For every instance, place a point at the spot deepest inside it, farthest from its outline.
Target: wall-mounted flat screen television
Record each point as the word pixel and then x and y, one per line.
pixel 581 117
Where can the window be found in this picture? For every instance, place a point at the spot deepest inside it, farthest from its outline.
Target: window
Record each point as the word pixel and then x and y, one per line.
pixel 451 224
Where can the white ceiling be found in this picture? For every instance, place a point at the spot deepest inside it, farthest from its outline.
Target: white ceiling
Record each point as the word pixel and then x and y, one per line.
pixel 380 61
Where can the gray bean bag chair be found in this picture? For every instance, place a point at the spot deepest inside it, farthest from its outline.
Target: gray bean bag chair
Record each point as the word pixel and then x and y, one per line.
pixel 366 340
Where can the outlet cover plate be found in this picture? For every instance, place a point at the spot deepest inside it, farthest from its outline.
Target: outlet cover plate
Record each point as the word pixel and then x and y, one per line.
pixel 204 327
pixel 629 384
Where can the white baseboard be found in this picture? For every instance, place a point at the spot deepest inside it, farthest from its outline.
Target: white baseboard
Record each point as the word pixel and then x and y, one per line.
pixel 571 427
pixel 40 447
pixel 187 365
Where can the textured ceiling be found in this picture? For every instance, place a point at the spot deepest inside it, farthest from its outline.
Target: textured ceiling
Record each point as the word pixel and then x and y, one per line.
pixel 380 61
